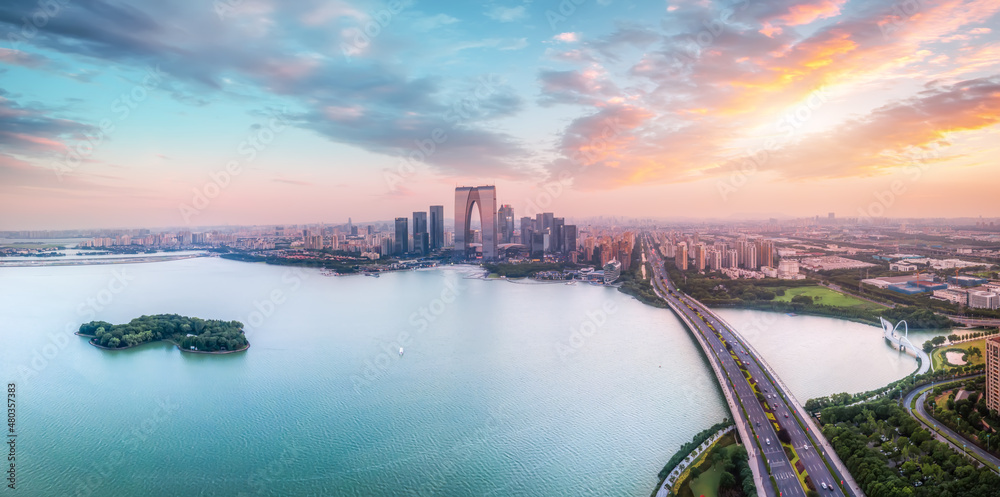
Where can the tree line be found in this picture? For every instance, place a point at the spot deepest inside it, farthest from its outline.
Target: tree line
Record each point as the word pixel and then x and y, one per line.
pixel 208 335
pixel 890 455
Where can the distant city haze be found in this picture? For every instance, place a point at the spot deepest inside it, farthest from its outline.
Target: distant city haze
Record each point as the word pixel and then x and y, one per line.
pixel 194 113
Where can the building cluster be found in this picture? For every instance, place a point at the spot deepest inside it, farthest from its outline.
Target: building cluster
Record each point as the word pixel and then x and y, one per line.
pixel 546 234
pixel 424 236
pixel 969 291
pixel 736 256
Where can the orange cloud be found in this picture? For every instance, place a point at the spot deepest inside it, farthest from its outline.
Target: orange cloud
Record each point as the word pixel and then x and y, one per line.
pixel 805 13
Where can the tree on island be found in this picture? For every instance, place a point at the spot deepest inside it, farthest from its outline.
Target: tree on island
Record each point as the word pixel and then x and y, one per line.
pixel 206 335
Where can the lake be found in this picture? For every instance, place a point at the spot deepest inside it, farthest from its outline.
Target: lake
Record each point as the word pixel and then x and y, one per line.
pixel 504 388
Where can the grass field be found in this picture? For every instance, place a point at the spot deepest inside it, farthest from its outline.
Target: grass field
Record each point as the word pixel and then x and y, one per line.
pixel 825 296
pixel 937 356
pixel 707 484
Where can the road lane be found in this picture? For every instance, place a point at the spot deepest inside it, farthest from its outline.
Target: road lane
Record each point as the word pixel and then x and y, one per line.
pixel 755 416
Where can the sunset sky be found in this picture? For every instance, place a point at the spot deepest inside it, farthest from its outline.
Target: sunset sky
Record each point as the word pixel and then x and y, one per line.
pixel 116 113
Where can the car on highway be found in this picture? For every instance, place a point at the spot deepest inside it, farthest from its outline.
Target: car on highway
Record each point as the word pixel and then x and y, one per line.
pixel 786 414
pixel 768 441
pixel 825 487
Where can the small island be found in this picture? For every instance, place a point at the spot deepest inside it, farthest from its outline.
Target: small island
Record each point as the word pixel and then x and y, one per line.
pixel 207 336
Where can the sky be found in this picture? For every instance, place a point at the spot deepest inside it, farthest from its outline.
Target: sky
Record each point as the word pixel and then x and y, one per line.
pixel 211 112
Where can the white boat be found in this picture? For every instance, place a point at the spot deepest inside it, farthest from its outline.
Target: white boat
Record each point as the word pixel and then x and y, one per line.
pixel 401 352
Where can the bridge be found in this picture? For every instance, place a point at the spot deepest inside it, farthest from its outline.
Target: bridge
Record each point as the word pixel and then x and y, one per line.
pixel 902 342
pixel 761 405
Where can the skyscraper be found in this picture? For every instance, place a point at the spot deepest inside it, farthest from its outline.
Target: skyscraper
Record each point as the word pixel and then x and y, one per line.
pixel 419 222
pixel 505 223
pixel 681 257
pixel 526 228
pixel 558 236
pixel 436 227
pixel 569 237
pixel 699 257
pixel 547 218
pixel 993 373
pixel 420 235
pixel 402 242
pixel 765 253
pixel 485 199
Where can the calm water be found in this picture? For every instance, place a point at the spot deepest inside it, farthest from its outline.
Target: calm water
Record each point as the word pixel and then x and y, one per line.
pixel 493 396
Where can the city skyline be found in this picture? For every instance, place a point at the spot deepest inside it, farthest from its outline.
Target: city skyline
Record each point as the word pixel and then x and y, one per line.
pixel 255 112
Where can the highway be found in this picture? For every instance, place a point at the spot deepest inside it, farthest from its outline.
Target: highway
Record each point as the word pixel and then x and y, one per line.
pixel 921 394
pixel 768 458
pixel 975 321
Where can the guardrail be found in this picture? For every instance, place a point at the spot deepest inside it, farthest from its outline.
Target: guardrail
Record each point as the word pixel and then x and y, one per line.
pixel 819 440
pixel 743 427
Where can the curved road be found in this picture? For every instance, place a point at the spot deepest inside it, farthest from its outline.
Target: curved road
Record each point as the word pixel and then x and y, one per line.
pixel 934 428
pixel 754 425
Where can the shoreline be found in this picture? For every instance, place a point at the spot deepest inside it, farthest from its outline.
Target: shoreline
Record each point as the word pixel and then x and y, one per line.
pixel 99 262
pixel 90 340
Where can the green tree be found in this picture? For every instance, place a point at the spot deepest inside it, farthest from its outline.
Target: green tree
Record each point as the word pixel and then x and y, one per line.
pixel 802 299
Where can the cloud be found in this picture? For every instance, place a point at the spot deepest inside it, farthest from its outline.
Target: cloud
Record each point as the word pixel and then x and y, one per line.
pixel 517 44
pixel 588 86
pixel 506 14
pixel 795 12
pixel 892 135
pixel 20 58
pixel 259 50
pixel 28 128
pixel 566 37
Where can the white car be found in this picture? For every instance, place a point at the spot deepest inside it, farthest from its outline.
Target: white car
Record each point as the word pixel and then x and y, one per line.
pixel 768 441
pixel 824 486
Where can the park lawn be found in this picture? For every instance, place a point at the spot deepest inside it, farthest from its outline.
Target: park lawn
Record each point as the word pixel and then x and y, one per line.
pixel 707 484
pixel 938 355
pixel 942 400
pixel 825 296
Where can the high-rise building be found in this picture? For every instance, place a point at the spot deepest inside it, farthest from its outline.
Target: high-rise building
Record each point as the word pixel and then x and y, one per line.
pixel 558 236
pixel 681 257
pixel 765 253
pixel 436 225
pixel 421 239
pixel 505 223
pixel 699 257
pixel 588 248
pixel 993 373
pixel 731 260
pixel 402 242
pixel 547 218
pixel 526 228
pixel 569 237
pixel 485 199
pixel 714 260
pixel 419 222
pixel 537 242
pixel 422 243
